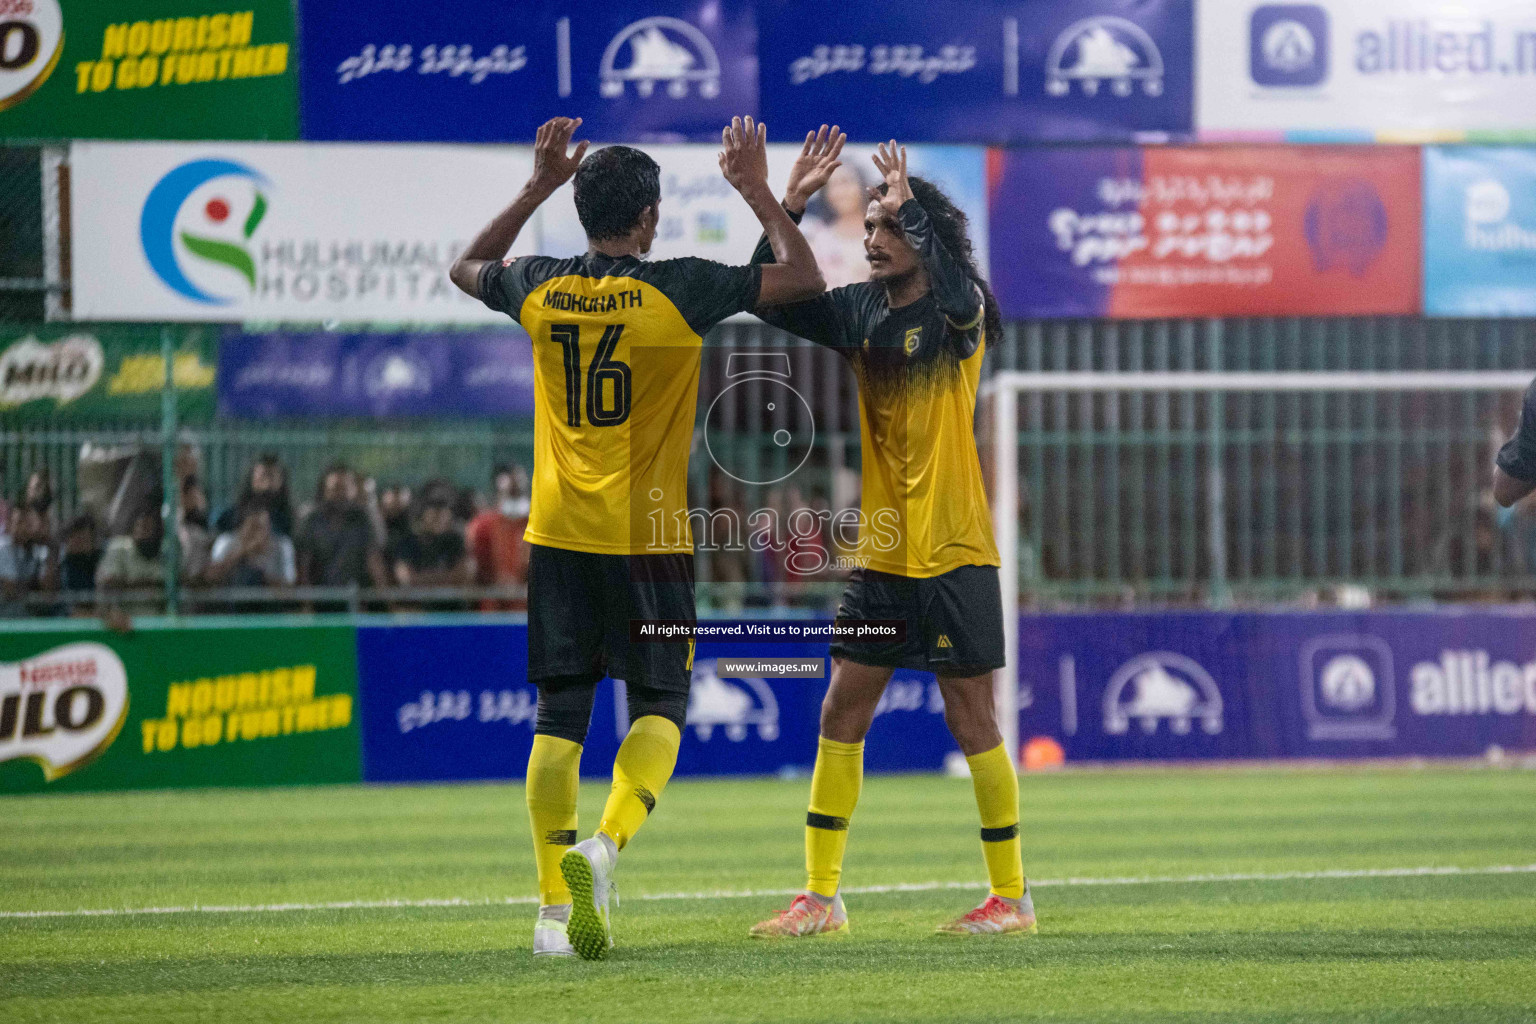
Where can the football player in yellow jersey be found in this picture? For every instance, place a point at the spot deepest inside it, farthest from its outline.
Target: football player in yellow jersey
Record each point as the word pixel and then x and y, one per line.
pixel 915 335
pixel 616 343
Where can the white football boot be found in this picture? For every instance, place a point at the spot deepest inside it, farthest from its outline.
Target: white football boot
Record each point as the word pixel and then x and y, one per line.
pixel 549 932
pixel 588 867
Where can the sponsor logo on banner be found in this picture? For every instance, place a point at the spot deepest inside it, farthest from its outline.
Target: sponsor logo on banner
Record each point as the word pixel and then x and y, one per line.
pixel 1362 67
pixel 1471 682
pixel 1348 688
pixel 281 232
pixel 1104 51
pixel 1288 45
pixel 736 706
pixel 660 50
pixel 1488 225
pixel 31 41
pixel 62 370
pixel 209 231
pixel 1159 686
pixel 1346 225
pixel 63 707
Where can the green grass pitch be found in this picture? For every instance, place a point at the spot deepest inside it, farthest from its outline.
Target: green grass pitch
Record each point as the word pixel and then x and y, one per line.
pixel 1385 947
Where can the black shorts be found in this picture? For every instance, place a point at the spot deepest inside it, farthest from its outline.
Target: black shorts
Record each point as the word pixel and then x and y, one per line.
pixel 954 621
pixel 580 605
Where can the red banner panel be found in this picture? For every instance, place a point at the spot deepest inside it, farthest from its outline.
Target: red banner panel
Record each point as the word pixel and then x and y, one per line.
pixel 1272 231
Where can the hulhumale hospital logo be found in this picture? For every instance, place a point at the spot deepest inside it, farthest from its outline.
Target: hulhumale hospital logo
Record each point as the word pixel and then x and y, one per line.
pixel 212 230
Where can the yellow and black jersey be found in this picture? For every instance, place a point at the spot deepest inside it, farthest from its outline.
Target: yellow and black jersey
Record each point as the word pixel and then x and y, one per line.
pixel 924 504
pixel 616 350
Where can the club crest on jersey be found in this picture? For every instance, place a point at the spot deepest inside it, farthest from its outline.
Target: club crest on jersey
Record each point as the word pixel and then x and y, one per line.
pixel 913 340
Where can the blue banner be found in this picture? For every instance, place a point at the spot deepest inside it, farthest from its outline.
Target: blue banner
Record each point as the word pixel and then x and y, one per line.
pixel 1203 684
pixel 453 702
pixel 463 71
pixel 467 373
pixel 993 72
pixel 1479 231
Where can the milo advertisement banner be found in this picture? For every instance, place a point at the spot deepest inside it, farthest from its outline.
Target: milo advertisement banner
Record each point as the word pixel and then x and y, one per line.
pixel 135 69
pixel 162 708
pixel 104 371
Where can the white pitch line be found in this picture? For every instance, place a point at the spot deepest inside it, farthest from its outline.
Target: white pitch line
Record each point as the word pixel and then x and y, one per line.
pixel 734 894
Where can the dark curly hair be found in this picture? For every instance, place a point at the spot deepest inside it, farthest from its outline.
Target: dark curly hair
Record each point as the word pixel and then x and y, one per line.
pixel 613 187
pixel 952 228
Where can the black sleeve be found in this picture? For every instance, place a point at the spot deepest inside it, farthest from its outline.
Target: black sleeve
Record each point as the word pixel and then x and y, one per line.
pixel 1518 456
pixel 706 292
pixel 814 319
pixel 504 284
pixel 954 292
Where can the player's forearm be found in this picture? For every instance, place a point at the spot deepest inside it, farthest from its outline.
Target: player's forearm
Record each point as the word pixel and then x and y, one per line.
pixel 790 249
pixel 497 238
pixel 763 253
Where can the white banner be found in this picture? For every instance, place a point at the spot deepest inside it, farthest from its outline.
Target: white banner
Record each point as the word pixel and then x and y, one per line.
pixel 282 231
pixel 365 233
pixel 1362 70
pixel 701 214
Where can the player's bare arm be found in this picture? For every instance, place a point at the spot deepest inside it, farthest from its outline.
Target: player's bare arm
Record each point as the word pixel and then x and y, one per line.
pixel 744 162
pixel 552 167
pixel 819 157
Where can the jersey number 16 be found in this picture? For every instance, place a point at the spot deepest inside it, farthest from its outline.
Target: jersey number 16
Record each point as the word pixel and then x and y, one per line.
pixel 607 406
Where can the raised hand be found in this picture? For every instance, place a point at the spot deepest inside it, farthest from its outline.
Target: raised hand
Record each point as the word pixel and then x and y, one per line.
pixel 744 162
pixel 551 166
pixel 891 161
pixel 814 166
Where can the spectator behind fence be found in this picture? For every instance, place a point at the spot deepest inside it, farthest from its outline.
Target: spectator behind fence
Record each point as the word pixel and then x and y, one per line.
pixel 337 546
pixel 266 484
pixel 253 554
pixel 28 562
pixel 496 536
pixel 395 510
pixel 81 555
pixel 434 553
pixel 135 561
pixel 38 495
pixel 192 532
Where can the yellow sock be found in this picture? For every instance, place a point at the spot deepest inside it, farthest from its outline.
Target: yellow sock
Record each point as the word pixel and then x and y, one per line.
pixel 640 771
pixel 834 793
pixel 997 797
pixel 554 767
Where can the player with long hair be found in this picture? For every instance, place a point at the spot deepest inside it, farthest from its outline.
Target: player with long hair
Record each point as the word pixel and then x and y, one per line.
pixel 915 336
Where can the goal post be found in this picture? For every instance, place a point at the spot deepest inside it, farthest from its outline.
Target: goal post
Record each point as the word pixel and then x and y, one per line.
pixel 1003 391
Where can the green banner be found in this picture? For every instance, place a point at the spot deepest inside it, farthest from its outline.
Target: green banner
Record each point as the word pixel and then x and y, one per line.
pixel 178 707
pixel 104 371
pixel 147 69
